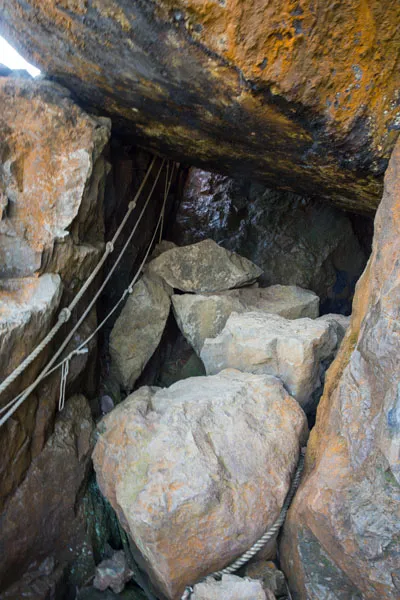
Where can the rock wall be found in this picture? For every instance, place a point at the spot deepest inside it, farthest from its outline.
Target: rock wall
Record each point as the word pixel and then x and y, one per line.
pixel 52 183
pixel 295 240
pixel 341 538
pixel 302 95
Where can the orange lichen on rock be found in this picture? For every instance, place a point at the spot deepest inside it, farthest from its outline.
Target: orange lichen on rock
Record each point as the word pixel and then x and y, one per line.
pixel 301 95
pixel 333 57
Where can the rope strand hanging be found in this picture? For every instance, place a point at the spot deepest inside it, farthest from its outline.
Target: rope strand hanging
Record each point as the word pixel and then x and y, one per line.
pixel 65 313
pixel 14 404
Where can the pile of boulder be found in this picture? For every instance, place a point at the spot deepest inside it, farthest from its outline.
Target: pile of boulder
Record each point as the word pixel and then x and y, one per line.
pixel 197 472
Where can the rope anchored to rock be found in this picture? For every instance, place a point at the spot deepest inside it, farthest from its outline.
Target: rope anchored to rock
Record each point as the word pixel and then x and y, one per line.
pixel 268 535
pixel 65 313
pixel 14 404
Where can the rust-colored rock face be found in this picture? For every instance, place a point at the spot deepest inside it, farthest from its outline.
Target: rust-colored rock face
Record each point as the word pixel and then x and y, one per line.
pixel 52 179
pixel 342 535
pixel 301 94
pixel 51 168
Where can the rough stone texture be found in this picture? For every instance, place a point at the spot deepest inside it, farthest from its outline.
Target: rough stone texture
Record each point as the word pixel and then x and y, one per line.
pixel 162 247
pixel 304 98
pixel 138 329
pixel 42 519
pixel 51 172
pixel 42 581
pixel 113 573
pixel 204 267
pixel 271 578
pixel 230 586
pixel 52 184
pixel 342 533
pixel 197 472
pixel 297 352
pixel 200 317
pixel 52 180
pixel 27 308
pixel 293 239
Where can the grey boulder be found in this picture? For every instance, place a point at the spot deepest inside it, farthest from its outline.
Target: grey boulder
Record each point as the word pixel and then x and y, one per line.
pixel 138 330
pixel 204 267
pixel 297 351
pixel 204 316
pixel 199 471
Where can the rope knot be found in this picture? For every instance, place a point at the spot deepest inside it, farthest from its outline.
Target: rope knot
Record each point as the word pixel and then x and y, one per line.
pixel 65 315
pixel 109 247
pixel 131 205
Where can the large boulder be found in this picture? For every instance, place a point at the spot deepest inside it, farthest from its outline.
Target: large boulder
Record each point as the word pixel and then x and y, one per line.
pixel 295 240
pixel 204 267
pixel 198 472
pixel 297 351
pixel 302 98
pixel 341 538
pixel 138 330
pixel 204 316
pixel 44 516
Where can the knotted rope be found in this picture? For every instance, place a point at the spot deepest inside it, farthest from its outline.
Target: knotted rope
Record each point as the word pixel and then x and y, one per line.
pixel 14 404
pixel 65 313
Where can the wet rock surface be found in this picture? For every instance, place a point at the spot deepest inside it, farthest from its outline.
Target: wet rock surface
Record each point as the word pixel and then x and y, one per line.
pixel 343 542
pixel 232 89
pixel 204 267
pixel 200 317
pixel 295 240
pixel 180 447
pixel 296 351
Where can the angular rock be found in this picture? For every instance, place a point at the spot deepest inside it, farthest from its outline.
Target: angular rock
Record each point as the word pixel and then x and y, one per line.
pixel 341 538
pixel 113 573
pixel 162 247
pixel 39 582
pixel 289 301
pixel 295 351
pixel 204 267
pixel 272 579
pixel 230 586
pixel 241 90
pixel 138 330
pixel 339 322
pixel 200 317
pixel 50 184
pixel 27 307
pixel 294 240
pixel 198 472
pixel 42 520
